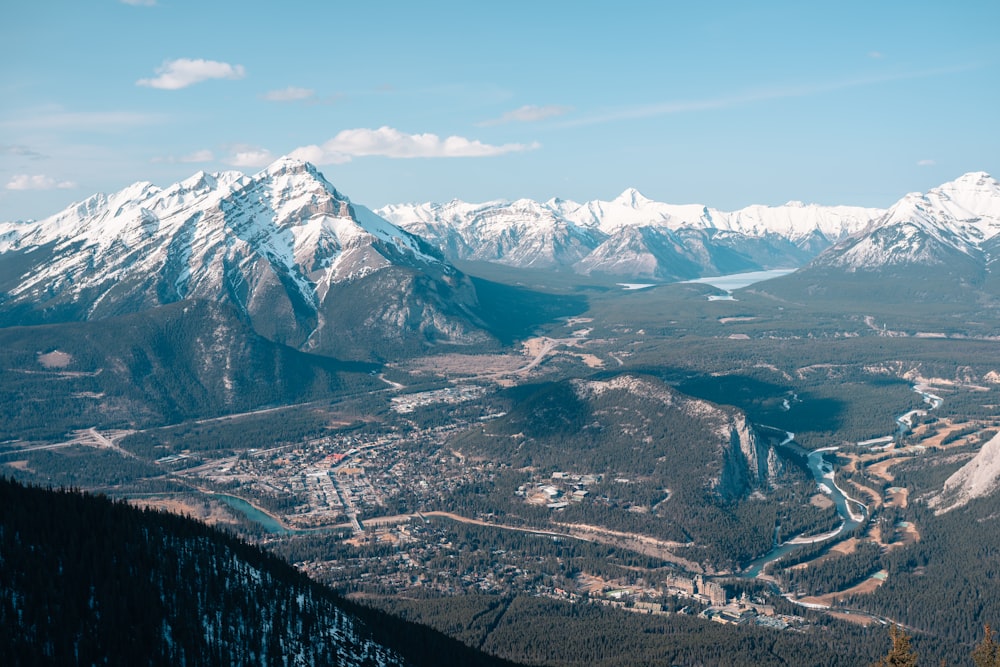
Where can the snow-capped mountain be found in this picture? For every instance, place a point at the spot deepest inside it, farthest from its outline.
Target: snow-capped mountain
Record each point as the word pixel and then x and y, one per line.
pixel 678 241
pixel 793 220
pixel 283 246
pixel 655 253
pixel 934 247
pixel 952 225
pixel 523 233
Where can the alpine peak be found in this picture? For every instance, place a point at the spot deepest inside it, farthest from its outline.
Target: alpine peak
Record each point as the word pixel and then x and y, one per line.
pixel 976 178
pixel 287 165
pixel 632 197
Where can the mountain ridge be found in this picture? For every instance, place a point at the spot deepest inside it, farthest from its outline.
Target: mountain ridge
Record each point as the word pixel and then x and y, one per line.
pixel 633 236
pixel 952 222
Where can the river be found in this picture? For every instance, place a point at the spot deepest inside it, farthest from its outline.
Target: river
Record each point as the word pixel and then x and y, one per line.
pixel 265 520
pixel 853 512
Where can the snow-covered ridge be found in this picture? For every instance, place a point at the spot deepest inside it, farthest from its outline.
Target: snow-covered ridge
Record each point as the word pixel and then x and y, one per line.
pixel 630 236
pixel 954 220
pixel 287 213
pixel 632 208
pixel 634 236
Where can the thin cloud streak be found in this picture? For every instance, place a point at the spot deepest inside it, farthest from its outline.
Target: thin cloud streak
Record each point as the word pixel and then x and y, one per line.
pixel 203 155
pixel 527 114
pixel 84 120
pixel 763 95
pixel 38 182
pixel 289 94
pixel 21 151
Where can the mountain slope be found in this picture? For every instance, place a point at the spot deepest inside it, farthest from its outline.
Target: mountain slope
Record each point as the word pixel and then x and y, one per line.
pixel 181 361
pixel 935 247
pixel 948 224
pixel 276 246
pixel 976 479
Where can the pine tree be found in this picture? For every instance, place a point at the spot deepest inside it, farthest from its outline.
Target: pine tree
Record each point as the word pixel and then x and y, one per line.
pixel 987 653
pixel 900 655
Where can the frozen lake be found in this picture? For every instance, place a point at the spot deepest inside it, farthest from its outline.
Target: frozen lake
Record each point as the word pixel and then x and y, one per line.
pixel 738 280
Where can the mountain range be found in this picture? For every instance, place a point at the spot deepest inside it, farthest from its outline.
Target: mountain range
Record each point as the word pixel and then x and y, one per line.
pixel 631 236
pixel 308 268
pixel 634 237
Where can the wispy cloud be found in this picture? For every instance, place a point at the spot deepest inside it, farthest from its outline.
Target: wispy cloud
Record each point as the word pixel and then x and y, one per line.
pixel 876 55
pixel 289 94
pixel 54 118
pixel 184 72
pixel 246 156
pixel 390 142
pixel 527 114
pixel 926 163
pixel 37 182
pixel 753 96
pixel 20 151
pixel 139 3
pixel 203 155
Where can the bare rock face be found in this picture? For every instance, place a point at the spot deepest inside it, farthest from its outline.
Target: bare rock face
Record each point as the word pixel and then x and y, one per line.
pixel 978 478
pixel 750 464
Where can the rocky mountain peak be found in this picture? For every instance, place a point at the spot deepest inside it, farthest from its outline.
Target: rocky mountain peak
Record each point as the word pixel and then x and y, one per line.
pixel 276 245
pixel 632 197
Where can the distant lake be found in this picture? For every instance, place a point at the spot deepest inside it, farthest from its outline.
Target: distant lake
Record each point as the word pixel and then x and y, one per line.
pixel 739 280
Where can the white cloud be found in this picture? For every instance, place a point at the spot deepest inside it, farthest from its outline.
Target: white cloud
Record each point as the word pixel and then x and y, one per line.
pixel 249 156
pixel 390 142
pixel 184 72
pixel 876 55
pixel 528 114
pixel 139 3
pixel 290 94
pixel 926 163
pixel 38 182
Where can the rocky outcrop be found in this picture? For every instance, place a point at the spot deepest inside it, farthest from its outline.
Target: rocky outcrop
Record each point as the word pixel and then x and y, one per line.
pixel 749 463
pixel 978 478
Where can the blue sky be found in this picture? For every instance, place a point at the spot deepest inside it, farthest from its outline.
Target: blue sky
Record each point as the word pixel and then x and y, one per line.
pixel 719 103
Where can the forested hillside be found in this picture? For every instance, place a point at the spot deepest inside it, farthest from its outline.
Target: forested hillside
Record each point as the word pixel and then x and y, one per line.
pixel 194 359
pixel 85 580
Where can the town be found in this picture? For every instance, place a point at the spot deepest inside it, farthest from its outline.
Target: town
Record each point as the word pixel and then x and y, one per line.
pixel 352 509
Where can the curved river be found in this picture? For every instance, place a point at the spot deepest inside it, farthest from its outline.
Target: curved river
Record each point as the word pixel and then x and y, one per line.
pixel 852 512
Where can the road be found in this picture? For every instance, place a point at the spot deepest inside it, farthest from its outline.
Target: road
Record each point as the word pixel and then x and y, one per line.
pixel 90 437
